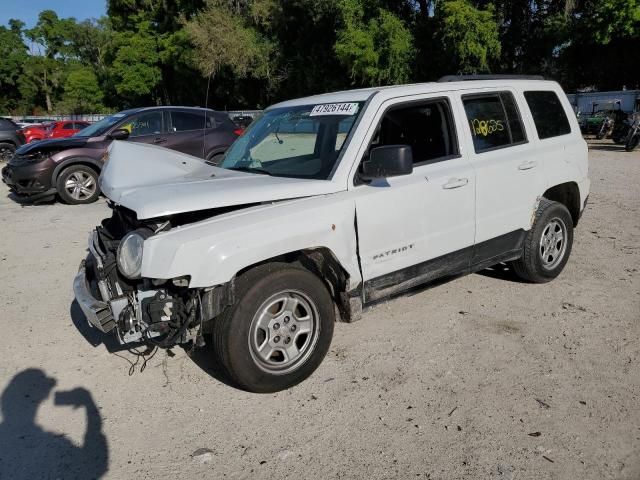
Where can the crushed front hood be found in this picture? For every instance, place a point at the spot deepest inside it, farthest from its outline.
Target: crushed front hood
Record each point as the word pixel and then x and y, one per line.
pixel 155 182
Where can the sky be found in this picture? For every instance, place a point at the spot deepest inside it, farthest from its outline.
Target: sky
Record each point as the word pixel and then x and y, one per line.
pixel 28 10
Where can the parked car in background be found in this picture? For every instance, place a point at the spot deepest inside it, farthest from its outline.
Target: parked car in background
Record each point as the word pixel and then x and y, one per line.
pixel 28 122
pixel 69 167
pixel 10 138
pixel 65 128
pixel 242 122
pixel 35 132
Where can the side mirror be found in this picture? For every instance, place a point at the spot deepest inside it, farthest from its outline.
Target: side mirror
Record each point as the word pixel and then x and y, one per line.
pixel 119 134
pixel 388 161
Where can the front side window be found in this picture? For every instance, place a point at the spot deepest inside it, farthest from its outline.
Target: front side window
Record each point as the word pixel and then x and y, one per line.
pixel 149 123
pixel 548 114
pixel 185 121
pixel 494 121
pixel 302 141
pixel 427 127
pixel 68 126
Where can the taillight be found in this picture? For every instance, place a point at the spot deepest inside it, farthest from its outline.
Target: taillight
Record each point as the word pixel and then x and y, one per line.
pixel 238 131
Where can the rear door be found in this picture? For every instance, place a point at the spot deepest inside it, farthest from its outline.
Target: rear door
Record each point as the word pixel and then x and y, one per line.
pixel 187 131
pixel 509 172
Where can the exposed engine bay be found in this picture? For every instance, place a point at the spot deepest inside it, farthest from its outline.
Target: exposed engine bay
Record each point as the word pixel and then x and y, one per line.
pixel 159 312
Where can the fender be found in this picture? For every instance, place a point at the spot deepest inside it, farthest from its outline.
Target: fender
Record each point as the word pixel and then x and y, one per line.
pixel 213 251
pixel 75 161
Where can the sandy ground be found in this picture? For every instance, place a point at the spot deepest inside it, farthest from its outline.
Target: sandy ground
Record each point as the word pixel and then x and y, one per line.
pixel 479 377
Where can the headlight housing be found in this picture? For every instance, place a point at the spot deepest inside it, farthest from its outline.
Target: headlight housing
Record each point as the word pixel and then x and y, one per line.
pixel 129 257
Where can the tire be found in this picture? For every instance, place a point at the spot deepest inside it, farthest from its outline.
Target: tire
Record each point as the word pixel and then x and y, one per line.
pixel 264 319
pixel 78 184
pixel 632 143
pixel 6 152
pixel 544 253
pixel 216 159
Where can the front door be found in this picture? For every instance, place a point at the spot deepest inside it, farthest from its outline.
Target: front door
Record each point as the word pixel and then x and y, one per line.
pixel 416 227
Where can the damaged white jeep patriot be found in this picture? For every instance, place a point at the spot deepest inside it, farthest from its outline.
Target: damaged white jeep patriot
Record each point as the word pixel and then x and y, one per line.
pixel 329 203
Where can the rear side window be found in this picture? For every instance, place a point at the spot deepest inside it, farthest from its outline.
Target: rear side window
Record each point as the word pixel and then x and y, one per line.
pixel 548 114
pixel 494 121
pixel 184 121
pixel 68 126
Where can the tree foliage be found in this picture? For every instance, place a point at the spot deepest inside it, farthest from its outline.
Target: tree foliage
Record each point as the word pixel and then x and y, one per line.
pixel 468 36
pixel 376 50
pixel 250 53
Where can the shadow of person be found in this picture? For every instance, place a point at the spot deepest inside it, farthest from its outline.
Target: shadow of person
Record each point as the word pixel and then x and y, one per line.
pixel 29 452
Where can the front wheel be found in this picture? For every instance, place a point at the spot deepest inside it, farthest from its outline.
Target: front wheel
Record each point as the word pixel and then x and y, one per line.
pixel 78 184
pixel 632 143
pixel 6 152
pixel 547 246
pixel 279 329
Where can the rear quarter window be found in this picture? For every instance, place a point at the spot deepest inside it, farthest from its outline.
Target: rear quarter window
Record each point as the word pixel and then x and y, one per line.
pixel 548 114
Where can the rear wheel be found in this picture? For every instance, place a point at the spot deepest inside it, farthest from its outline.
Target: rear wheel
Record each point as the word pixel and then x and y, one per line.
pixel 216 159
pixel 6 152
pixel 547 245
pixel 279 330
pixel 632 143
pixel 78 184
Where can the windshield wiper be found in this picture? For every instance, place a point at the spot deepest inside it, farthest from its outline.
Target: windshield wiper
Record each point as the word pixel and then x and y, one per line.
pixel 251 170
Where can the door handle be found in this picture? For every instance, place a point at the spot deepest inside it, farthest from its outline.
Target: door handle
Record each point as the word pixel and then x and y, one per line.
pixel 159 140
pixel 455 183
pixel 528 165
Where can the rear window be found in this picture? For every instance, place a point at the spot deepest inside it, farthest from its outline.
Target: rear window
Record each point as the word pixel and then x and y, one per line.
pixel 548 114
pixel 494 121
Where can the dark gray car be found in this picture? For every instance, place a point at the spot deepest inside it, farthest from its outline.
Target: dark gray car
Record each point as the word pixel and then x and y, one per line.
pixel 10 138
pixel 69 167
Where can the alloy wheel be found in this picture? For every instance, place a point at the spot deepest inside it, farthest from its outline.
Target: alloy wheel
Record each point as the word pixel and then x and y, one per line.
pixel 80 185
pixel 553 243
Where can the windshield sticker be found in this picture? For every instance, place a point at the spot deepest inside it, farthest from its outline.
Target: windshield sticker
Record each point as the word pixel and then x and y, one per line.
pixel 334 109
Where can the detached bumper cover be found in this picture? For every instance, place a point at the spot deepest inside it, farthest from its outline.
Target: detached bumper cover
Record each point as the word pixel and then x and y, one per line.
pixel 97 312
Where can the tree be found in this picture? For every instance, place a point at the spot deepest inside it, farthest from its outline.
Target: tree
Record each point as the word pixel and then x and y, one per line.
pixel 13 54
pixel 82 93
pixel 377 50
pixel 468 37
pixel 135 66
pixel 50 38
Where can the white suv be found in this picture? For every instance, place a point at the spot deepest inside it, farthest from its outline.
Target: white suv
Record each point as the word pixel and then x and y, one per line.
pixel 325 205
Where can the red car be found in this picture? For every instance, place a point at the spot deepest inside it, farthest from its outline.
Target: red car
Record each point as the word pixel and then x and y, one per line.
pixel 36 132
pixel 66 128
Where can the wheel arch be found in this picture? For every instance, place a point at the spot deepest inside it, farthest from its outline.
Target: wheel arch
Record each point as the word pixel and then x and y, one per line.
pixel 324 264
pixel 86 161
pixel 568 194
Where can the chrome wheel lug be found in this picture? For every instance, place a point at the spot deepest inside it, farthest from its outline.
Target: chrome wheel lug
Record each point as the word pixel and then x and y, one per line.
pixel 293 328
pixel 276 326
pixel 277 338
pixel 287 340
pixel 286 320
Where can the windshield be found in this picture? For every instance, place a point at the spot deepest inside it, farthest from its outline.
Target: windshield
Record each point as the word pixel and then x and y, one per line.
pixel 300 142
pixel 100 127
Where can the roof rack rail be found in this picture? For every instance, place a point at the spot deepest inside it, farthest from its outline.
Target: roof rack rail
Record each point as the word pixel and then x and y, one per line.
pixel 461 78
